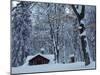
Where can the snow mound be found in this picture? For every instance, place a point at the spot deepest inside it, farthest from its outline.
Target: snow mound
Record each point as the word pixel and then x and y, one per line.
pixel 52 67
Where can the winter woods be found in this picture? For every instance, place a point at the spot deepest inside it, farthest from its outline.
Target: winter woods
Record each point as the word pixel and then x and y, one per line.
pixel 66 31
pixel 21 29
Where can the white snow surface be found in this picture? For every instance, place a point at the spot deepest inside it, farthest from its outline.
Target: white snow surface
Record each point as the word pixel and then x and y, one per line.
pixel 52 67
pixel 71 55
pixel 83 34
pixel 79 27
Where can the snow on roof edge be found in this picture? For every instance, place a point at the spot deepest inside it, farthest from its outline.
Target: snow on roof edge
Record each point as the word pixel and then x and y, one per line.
pixel 48 56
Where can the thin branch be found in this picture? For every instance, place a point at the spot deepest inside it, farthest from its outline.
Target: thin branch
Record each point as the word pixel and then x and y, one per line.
pixel 82 14
pixel 74 9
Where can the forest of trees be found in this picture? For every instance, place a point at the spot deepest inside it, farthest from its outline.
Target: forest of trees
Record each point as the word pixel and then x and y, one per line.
pixel 59 29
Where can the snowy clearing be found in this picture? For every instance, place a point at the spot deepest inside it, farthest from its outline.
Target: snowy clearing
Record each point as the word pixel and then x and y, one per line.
pixel 51 67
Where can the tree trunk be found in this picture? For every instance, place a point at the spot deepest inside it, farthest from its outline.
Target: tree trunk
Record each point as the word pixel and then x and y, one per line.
pixel 83 37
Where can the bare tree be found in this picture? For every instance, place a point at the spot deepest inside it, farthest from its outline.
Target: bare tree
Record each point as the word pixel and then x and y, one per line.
pixel 83 38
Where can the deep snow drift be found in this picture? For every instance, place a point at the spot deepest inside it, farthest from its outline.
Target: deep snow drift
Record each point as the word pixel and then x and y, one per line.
pixel 51 67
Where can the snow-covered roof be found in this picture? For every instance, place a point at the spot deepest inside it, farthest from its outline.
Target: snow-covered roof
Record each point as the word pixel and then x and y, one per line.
pixel 48 56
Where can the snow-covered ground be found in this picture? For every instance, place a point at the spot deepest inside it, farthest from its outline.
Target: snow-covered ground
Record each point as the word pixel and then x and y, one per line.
pixel 51 67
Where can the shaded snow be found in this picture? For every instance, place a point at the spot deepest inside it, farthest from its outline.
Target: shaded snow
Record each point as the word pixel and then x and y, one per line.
pixel 52 67
pixel 87 50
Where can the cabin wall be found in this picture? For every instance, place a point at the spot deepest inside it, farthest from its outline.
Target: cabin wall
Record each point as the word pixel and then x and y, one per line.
pixel 38 61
